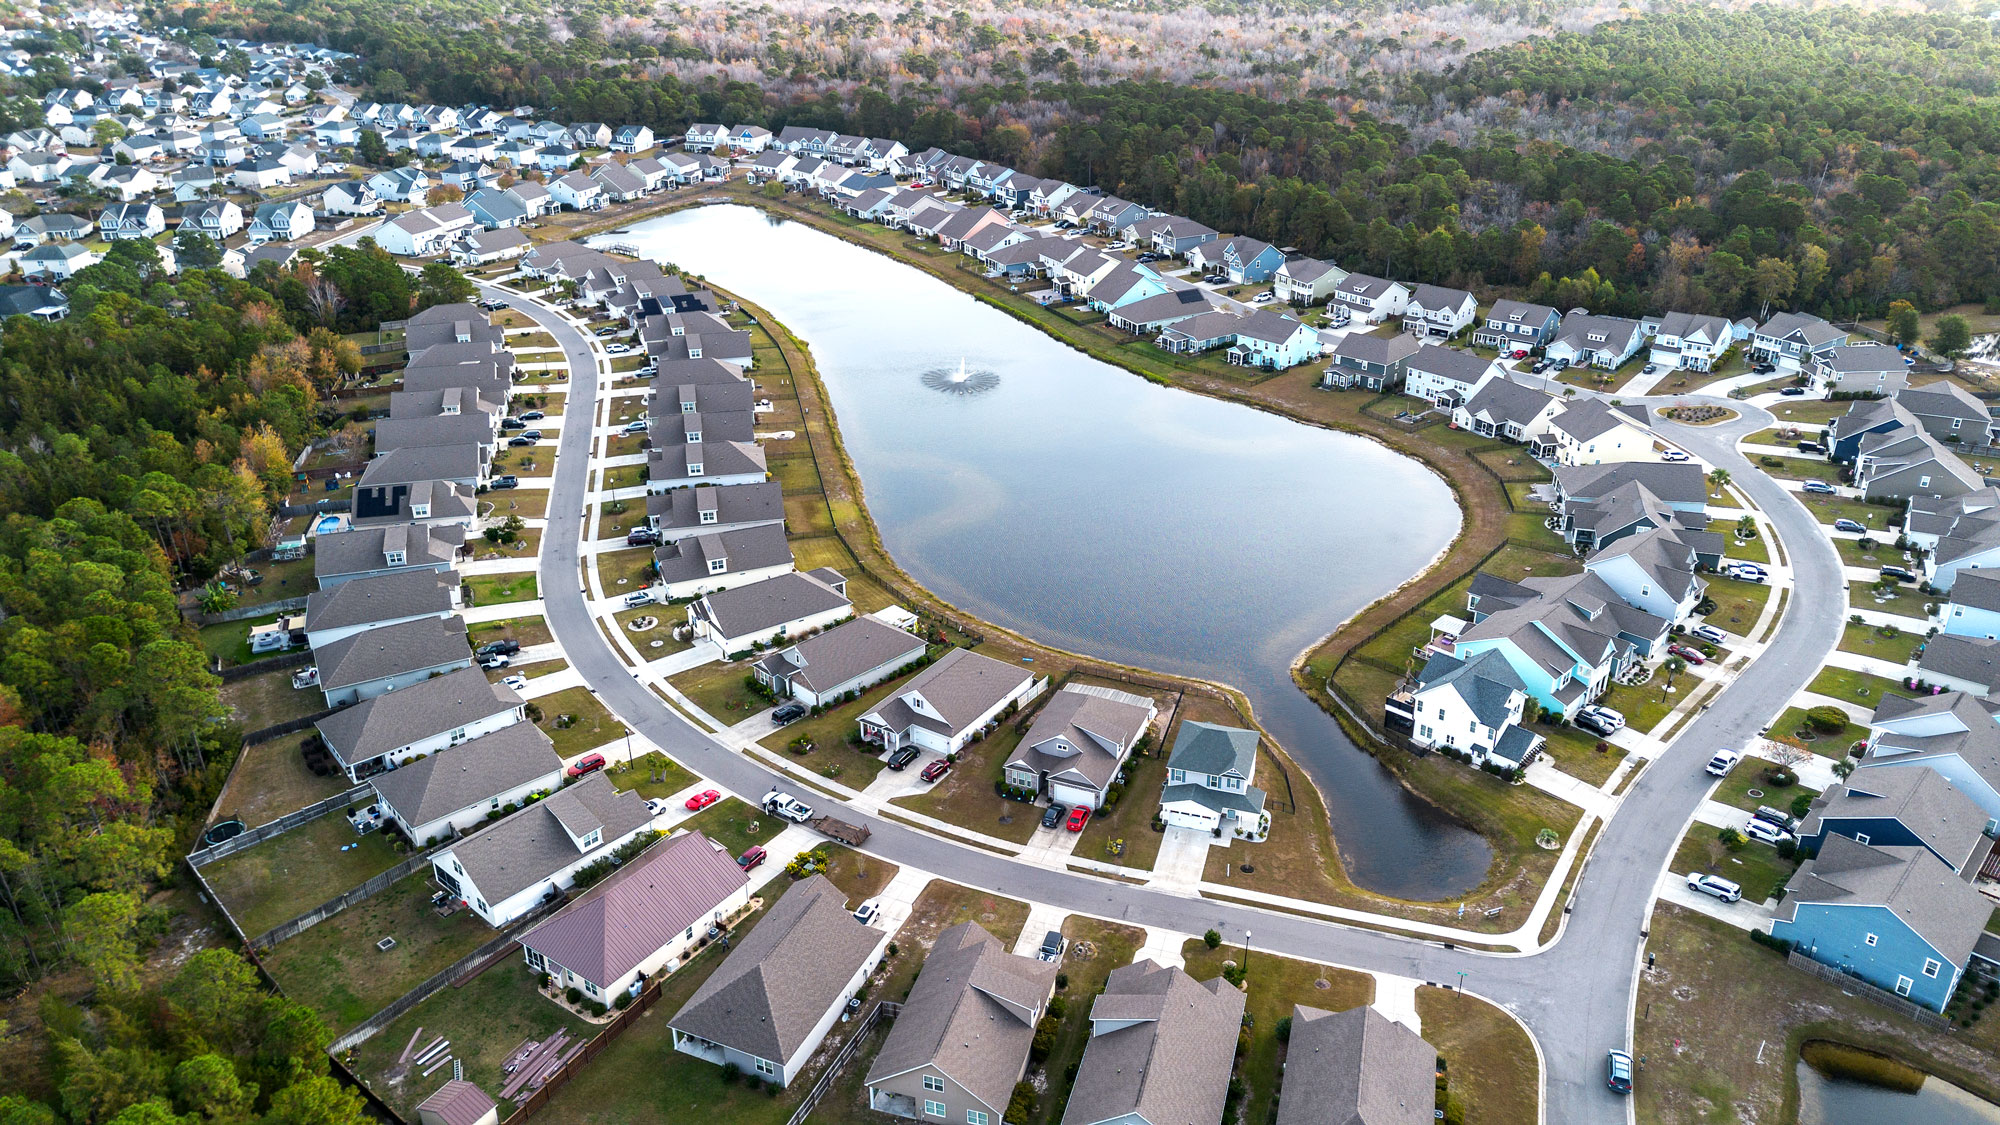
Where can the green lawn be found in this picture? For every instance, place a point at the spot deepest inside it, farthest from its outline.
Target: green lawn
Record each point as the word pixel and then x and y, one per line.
pixel 270 779
pixel 529 631
pixel 653 775
pixel 625 569
pixel 229 641
pixel 721 690
pixel 336 969
pixel 1798 468
pixel 1831 743
pixel 736 825
pixel 1858 688
pixel 1884 642
pixel 1872 554
pixel 285 876
pixel 1130 825
pixel 966 798
pixel 268 698
pixel 1738 605
pixel 1756 867
pixel 1751 550
pixel 1645 706
pixel 492 589
pixel 1575 752
pixel 1275 985
pixel 1491 1067
pixel 1749 777
pixel 575 721
pixel 1829 508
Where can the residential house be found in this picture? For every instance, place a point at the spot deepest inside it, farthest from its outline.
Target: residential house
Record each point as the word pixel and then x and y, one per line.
pixel 57 261
pixel 390 658
pixel 1369 300
pixel 1956 663
pixel 704 137
pixel 131 220
pixel 347 555
pixel 335 134
pixel 533 196
pixel 280 222
pixel 259 173
pixel 578 192
pixel 749 139
pixel 771 1002
pixel 43 302
pixel 1356 1067
pixel 1630 508
pixel 1306 281
pixel 942 707
pixel 508 868
pixel 1156 314
pixel 216 218
pixel 386 599
pixel 401 185
pixel 1372 363
pixel 1861 419
pixel 390 730
pixel 424 502
pixel 467 175
pixel 632 138
pixel 456 789
pixel 620 184
pixel 1948 412
pixel 1791 340
pixel 1160 1052
pixel 1656 570
pixel 1605 342
pixel 1209 773
pixel 1694 341
pixel 1895 917
pixel 61 226
pixel 689 464
pixel 1273 342
pixel 1445 377
pixel 1474 706
pixel 425 232
pixel 1243 260
pixel 1861 369
pixel 1902 809
pixel 481 247
pixel 1905 463
pixel 1972 609
pixel 1566 638
pixel 770 611
pixel 351 197
pixel 962 1040
pixel 1954 734
pixel 1171 235
pixel 1593 432
pixel 711 561
pixel 1076 748
pixel 1437 313
pixel 1958 534
pixel 845 660
pixel 1512 411
pixel 642 921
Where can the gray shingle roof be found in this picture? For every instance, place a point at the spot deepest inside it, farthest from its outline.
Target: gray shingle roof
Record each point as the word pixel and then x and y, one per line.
pixel 1672 483
pixel 680 509
pixel 522 850
pixel 778 982
pixel 1913 884
pixel 951 694
pixel 717 459
pixel 971 1016
pixel 1963 658
pixel 388 722
pixel 1208 748
pixel 1171 1066
pixel 619 923
pixel 739 552
pixel 1356 1067
pixel 1976 591
pixel 1503 400
pixel 1448 363
pixel 1486 683
pixel 420 463
pixel 383 597
pixel 470 773
pixel 356 552
pixel 1923 801
pixel 827 660
pixel 372 654
pixel 1081 736
pixel 743 610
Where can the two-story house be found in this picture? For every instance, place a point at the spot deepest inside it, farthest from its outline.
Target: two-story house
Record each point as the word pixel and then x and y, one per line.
pixel 1241 259
pixel 1502 408
pixel 1445 377
pixel 1370 362
pixel 1972 609
pixel 1474 706
pixel 281 222
pixel 1209 773
pixel 131 220
pixel 1694 341
pixel 1437 313
pixel 399 727
pixel 1790 341
pixel 1073 752
pixel 1306 281
pixel 1368 300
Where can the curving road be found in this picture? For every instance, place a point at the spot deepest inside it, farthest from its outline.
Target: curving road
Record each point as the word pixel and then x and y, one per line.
pixel 1575 997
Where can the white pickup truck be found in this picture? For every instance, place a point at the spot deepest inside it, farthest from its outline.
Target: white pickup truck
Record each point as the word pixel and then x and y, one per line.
pixel 787 806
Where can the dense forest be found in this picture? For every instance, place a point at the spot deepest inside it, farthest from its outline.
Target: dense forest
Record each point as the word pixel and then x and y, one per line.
pixel 143 444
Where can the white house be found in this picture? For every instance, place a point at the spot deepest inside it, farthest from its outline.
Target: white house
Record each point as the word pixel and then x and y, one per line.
pixel 131 220
pixel 942 707
pixel 391 730
pixel 1437 313
pixel 1369 300
pixel 1209 774
pixel 1693 341
pixel 459 787
pixel 578 192
pixel 424 232
pixel 788 605
pixel 1592 432
pixel 57 260
pixel 280 222
pixel 847 658
pixel 216 218
pixel 1445 376
pixel 1605 342
pixel 1474 706
pixel 1306 281
pixel 504 870
pixel 632 138
pixel 351 197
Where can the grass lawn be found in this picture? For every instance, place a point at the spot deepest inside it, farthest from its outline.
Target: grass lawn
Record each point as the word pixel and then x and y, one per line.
pixel 659 640
pixel 1738 605
pixel 1872 555
pixel 855 764
pixel 1858 688
pixel 229 641
pixel 965 797
pixel 492 589
pixel 529 631
pixel 624 476
pixel 271 779
pixel 625 569
pixel 942 905
pixel 1747 778
pixel 1799 468
pixel 1645 706
pixel 1887 596
pixel 528 503
pixel 1756 867
pixel 1720 1020
pixel 336 969
pixel 524 461
pixel 1095 948
pixel 1750 550
pixel 268 698
pixel 287 875
pixel 282 580
pixel 526 545
pixel 653 774
pixel 1490 1063
pixel 1575 752
pixel 620 516
pixel 1827 509
pixel 1884 642
pixel 1132 821
pixel 575 721
pixel 736 825
pixel 720 689
pixel 1275 986
pixel 1833 744
pixel 859 875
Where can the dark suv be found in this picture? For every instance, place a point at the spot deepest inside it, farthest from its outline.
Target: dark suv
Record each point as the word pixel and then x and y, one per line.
pixel 1053 815
pixel 501 648
pixel 790 713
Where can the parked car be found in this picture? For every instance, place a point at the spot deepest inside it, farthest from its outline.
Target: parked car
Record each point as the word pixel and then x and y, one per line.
pixel 531 435
pixel 617 349
pixel 1899 573
pixel 866 913
pixel 589 763
pixel 1618 1071
pixel 750 859
pixel 1078 817
pixel 508 481
pixel 1849 525
pixel 638 598
pixel 1817 486
pixel 637 426
pixel 703 799
pixel 1540 366
pixel 607 331
pixel 1815 448
pixel 1745 572
pixel 1724 760
pixel 1053 815
pixel 1600 720
pixel 1715 885
pixel 1263 298
pixel 495 660
pixel 531 415
pixel 1649 369
pixel 1709 633
pixel 1692 656
pixel 513 424
pixel 1782 819
pixel 521 439
pixel 902 758
pixel 1792 392
pixel 1518 353
pixel 641 537
pixel 517 683
pixel 785 805
pixel 936 769
pixel 504 648
pixel 1674 455
pixel 1053 945
pixel 789 713
pixel 1765 831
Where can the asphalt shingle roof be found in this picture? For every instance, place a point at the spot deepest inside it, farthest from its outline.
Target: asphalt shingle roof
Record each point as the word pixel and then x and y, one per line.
pixel 400 718
pixel 616 925
pixel 1171 1066
pixel 373 654
pixel 1356 1067
pixel 470 773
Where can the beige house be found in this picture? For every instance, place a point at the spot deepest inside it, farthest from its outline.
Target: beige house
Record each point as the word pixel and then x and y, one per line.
pixel 961 1042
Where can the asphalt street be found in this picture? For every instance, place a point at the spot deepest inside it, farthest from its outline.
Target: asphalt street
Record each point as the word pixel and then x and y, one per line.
pixel 1575 997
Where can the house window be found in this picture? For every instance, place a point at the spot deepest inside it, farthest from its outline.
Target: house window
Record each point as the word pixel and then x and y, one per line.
pixel 1861 837
pixel 975 1117
pixel 717 566
pixel 535 959
pixel 766 1066
pixel 1923 482
pixel 395 558
pixel 933 1083
pixel 481 904
pixel 1931 967
pixel 1903 985
pixel 1869 941
pixel 933 1109
pixel 1214 782
pixel 1420 706
pixel 1645 591
pixel 1425 731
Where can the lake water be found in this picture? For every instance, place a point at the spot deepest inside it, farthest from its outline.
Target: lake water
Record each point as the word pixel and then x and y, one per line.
pixel 1824 1101
pixel 1086 508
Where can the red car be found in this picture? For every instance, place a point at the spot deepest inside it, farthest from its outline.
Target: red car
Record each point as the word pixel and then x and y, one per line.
pixel 750 859
pixel 936 769
pixel 589 763
pixel 1518 353
pixel 1687 654
pixel 1078 817
pixel 703 799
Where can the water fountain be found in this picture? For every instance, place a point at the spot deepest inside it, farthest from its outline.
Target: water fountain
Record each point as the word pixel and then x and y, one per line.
pixel 964 381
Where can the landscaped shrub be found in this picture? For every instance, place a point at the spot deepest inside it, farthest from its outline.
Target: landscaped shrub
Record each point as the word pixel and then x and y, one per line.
pixel 1802 804
pixel 1732 839
pixel 1058 1008
pixel 1827 720
pixel 730 1072
pixel 573 994
pixel 1283 1030
pixel 1021 1106
pixel 1211 939
pixel 1765 939
pixel 1045 1039
pixel 1062 981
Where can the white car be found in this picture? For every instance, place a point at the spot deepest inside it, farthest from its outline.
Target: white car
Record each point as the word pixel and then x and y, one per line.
pixel 617 349
pixel 1765 831
pixel 638 598
pixel 1724 761
pixel 1715 885
pixel 518 683
pixel 1746 572
pixel 1263 298
pixel 1601 720
pixel 1673 455
pixel 1710 633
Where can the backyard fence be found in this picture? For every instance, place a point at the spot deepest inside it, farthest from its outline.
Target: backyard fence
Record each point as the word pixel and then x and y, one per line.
pixel 202 857
pixel 317 507
pixel 471 964
pixel 259 667
pixel 245 612
pixel 280 730
pixel 847 1051
pixel 1901 1005
pixel 339 902
pixel 647 998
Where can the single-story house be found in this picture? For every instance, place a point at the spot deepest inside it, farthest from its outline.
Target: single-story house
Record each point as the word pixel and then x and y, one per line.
pixel 509 867
pixel 390 658
pixel 790 604
pixel 850 657
pixel 436 796
pixel 1356 1067
pixel 1077 745
pixel 942 707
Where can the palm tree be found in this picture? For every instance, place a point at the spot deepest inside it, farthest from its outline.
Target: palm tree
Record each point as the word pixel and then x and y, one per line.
pixel 1719 479
pixel 1674 666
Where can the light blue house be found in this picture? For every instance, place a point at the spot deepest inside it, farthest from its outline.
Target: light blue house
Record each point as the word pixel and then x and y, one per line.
pixel 1951 733
pixel 1974 606
pixel 1243 259
pixel 1895 917
pixel 1566 638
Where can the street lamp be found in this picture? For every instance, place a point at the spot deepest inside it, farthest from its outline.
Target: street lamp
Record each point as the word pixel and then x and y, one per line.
pixel 1246 953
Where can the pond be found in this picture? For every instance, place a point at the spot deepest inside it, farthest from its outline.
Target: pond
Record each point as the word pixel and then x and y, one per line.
pixel 1829 1101
pixel 1075 503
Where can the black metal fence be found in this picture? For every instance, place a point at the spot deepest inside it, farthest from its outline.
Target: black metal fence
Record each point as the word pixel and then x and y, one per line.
pixel 202 857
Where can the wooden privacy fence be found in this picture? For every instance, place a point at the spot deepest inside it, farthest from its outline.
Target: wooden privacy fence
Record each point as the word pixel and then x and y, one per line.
pixel 202 857
pixel 647 998
pixel 339 902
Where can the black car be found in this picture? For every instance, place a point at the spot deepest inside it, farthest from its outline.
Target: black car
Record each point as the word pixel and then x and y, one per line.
pixel 1792 392
pixel 513 424
pixel 791 713
pixel 532 415
pixel 1053 815
pixel 508 481
pixel 641 537
pixel 522 440
pixel 901 759
pixel 503 648
pixel 532 435
pixel 1540 366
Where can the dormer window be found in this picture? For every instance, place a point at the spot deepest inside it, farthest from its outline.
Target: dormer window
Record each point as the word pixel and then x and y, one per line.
pixel 693 436
pixel 687 406
pixel 718 566
pixel 694 468
pixel 591 839
pixel 710 515
pixel 420 511
pixel 395 558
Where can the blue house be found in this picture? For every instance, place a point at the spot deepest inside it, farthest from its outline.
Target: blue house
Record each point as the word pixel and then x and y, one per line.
pixel 1895 917
pixel 1906 808
pixel 1952 734
pixel 1864 417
